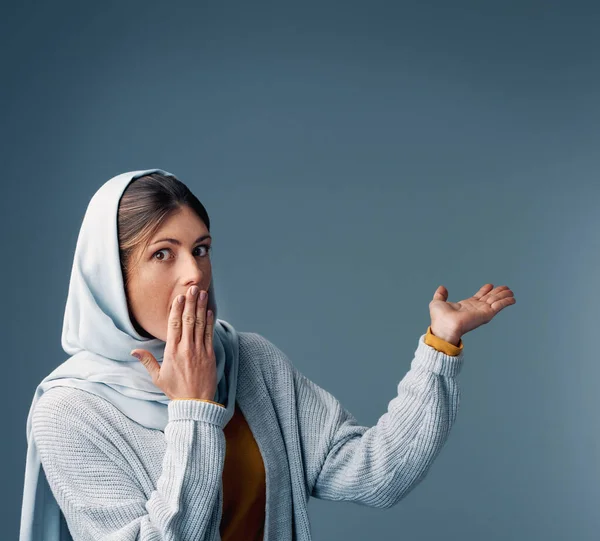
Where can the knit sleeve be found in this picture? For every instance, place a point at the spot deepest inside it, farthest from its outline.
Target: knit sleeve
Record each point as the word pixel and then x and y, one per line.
pixel 377 466
pixel 95 479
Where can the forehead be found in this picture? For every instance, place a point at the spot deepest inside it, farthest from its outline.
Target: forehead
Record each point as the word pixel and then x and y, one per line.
pixel 183 222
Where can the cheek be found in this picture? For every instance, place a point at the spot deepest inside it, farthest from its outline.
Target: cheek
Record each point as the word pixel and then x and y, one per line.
pixel 150 294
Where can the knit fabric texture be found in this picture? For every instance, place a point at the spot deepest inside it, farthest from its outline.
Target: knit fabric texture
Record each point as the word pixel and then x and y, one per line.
pixel 115 479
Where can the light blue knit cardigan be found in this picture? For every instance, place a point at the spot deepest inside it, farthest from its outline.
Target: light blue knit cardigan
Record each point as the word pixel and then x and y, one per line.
pixel 117 480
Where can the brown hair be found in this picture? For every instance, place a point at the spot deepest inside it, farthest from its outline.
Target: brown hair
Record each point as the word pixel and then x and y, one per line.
pixel 144 206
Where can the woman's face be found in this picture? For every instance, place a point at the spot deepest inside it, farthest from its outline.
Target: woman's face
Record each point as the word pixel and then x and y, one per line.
pixel 176 258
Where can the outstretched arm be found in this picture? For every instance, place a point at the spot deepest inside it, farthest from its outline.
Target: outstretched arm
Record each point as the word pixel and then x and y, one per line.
pixel 378 466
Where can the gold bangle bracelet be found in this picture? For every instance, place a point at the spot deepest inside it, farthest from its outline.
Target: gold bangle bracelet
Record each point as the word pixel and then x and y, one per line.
pixel 201 400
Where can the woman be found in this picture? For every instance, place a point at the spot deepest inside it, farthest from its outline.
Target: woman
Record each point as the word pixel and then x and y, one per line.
pixel 212 433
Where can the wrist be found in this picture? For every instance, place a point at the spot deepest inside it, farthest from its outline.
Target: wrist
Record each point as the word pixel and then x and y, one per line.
pixel 452 337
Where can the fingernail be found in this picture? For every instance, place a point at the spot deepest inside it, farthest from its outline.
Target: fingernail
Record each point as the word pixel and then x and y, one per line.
pixel 194 290
pixel 203 295
pixel 136 355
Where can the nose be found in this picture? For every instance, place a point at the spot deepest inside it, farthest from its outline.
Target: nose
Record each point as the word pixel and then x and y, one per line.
pixel 192 271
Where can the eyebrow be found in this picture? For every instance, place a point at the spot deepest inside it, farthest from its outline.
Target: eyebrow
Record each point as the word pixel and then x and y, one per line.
pixel 177 242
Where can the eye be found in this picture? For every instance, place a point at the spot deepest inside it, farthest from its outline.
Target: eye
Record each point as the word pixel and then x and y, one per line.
pixel 156 253
pixel 206 248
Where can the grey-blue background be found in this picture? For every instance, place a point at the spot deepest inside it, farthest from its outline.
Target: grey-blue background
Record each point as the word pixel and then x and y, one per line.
pixel 352 157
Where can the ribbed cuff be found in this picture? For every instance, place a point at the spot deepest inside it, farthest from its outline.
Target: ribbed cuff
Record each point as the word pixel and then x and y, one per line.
pixel 197 410
pixel 441 345
pixel 431 359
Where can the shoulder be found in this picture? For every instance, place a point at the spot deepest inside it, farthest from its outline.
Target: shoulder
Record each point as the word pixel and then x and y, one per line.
pixel 260 354
pixel 68 409
pixel 257 349
pixel 253 344
pixel 63 399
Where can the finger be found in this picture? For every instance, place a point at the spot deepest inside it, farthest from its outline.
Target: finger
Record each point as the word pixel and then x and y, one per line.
pixel 208 333
pixel 503 303
pixel 200 318
pixel 188 318
pixel 499 294
pixel 148 360
pixel 484 290
pixel 441 294
pixel 174 324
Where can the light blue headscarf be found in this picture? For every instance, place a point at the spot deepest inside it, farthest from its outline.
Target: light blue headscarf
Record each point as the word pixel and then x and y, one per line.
pixel 98 334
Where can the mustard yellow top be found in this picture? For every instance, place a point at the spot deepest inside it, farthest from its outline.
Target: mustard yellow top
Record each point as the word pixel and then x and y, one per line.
pixel 244 485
